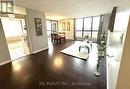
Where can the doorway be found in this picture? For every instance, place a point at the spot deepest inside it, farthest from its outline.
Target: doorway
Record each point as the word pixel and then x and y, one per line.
pixel 52 27
pixel 16 37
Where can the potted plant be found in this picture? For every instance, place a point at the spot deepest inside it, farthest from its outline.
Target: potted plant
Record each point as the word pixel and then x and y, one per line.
pixel 101 53
pixel 86 38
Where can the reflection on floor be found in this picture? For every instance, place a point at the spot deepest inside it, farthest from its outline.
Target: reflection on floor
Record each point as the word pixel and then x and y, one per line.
pixel 18 49
pixel 51 67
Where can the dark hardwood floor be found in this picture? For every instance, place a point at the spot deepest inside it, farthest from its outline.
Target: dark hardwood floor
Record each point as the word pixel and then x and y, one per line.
pixel 51 69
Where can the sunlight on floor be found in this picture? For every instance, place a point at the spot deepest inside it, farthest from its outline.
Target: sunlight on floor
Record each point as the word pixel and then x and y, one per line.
pixel 58 62
pixel 50 46
pixel 17 49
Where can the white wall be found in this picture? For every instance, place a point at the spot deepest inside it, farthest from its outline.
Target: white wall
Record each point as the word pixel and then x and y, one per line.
pixel 69 34
pixel 20 10
pixel 4 53
pixel 38 42
pixel 124 73
pixel 115 47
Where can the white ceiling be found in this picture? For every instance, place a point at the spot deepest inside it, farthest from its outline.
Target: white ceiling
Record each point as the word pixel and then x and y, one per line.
pixel 73 8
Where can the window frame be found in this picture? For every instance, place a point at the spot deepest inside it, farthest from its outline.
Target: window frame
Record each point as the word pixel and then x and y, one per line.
pixel 91 30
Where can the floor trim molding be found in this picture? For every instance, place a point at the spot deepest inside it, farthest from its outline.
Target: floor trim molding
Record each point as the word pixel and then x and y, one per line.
pixel 5 62
pixel 40 50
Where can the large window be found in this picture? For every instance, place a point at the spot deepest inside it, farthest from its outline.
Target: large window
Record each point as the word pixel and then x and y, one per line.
pixel 95 27
pixel 48 27
pixel 51 26
pixel 79 27
pixel 87 26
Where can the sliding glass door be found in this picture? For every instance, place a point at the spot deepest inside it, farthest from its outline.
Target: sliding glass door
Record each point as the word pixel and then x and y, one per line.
pixel 87 26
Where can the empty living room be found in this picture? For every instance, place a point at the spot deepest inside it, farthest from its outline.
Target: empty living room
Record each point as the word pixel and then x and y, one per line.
pixel 64 44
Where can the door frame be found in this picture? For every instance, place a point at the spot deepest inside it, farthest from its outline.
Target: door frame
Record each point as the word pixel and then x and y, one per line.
pixel 28 33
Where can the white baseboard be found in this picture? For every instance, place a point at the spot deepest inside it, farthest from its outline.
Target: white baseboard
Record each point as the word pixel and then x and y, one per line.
pixel 32 53
pixel 5 62
pixel 39 50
